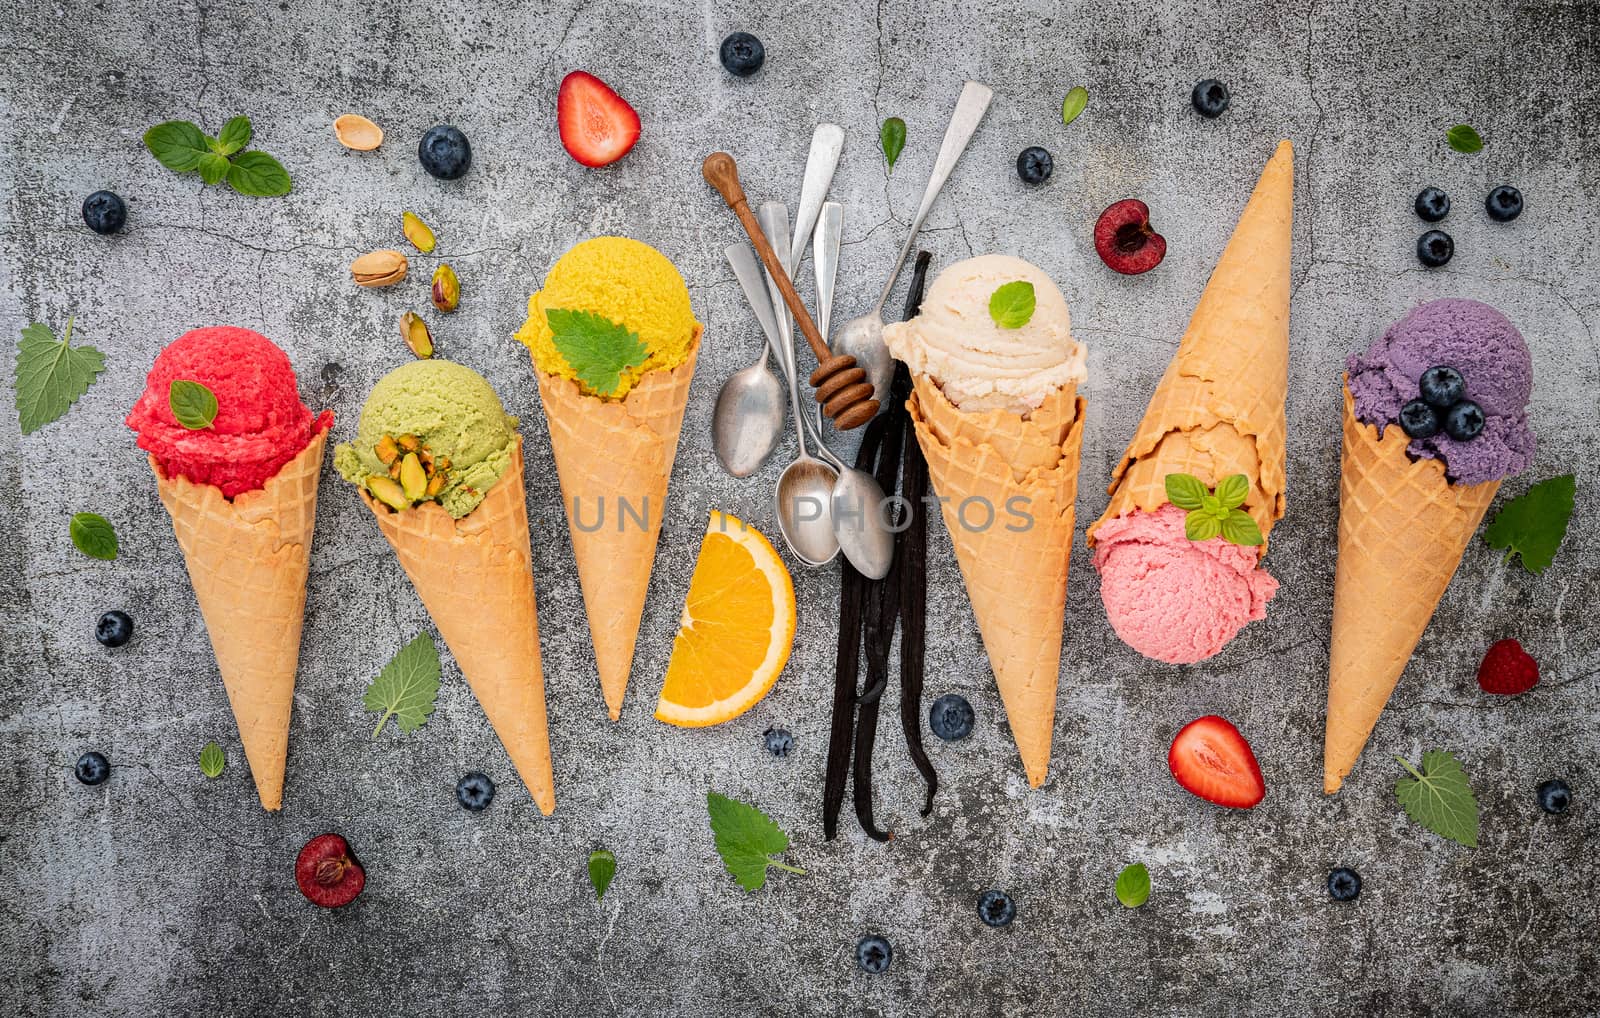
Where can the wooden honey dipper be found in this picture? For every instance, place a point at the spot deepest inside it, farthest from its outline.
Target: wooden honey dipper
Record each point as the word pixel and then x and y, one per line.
pixel 842 387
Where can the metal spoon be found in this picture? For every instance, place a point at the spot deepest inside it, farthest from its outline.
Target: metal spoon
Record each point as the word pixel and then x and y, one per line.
pixel 748 418
pixel 862 338
pixel 805 489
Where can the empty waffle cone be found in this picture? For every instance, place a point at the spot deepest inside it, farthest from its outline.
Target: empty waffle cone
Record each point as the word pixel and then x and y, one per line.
pixel 1402 530
pixel 1219 409
pixel 614 458
pixel 475 577
pixel 248 560
pixel 1015 578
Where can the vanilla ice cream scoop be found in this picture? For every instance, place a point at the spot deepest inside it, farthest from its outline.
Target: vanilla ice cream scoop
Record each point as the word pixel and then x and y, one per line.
pixel 979 363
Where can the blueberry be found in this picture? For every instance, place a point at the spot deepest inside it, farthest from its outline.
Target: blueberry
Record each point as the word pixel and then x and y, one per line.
pixel 475 791
pixel 951 717
pixel 874 954
pixel 114 629
pixel 1442 387
pixel 92 768
pixel 742 54
pixel 996 908
pixel 1504 203
pixel 104 212
pixel 1419 419
pixel 1034 165
pixel 1464 421
pixel 1210 97
pixel 1344 884
pixel 1432 204
pixel 445 152
pixel 1555 796
pixel 778 741
pixel 1434 248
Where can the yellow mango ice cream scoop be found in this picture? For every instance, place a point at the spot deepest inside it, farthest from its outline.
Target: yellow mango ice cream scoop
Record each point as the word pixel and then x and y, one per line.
pixel 613 341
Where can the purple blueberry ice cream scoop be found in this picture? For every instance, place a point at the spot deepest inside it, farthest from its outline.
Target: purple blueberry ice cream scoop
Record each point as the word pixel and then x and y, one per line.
pixel 1490 353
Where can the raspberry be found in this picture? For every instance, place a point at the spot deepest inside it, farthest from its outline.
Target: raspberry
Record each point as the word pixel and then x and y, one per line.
pixel 1507 669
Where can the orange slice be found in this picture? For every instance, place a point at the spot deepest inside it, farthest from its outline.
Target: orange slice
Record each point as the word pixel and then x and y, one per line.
pixel 736 631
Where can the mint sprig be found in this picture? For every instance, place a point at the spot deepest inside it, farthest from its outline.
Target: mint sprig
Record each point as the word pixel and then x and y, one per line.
pixel 599 350
pixel 182 147
pixel 407 687
pixel 1464 138
pixel 1533 524
pixel 93 535
pixel 1215 513
pixel 1011 305
pixel 747 839
pixel 1133 885
pixel 602 868
pixel 1439 798
pixel 212 760
pixel 51 375
pixel 892 136
pixel 192 404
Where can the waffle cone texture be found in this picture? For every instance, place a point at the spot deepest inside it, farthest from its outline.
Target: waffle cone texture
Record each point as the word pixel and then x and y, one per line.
pixel 1219 408
pixel 1016 574
pixel 1402 531
pixel 248 560
pixel 611 452
pixel 475 577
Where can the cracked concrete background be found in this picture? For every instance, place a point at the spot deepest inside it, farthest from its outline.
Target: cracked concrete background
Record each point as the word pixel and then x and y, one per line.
pixel 161 892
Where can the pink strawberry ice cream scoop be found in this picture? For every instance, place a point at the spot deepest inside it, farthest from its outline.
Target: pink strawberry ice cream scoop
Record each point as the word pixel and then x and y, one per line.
pixel 260 424
pixel 1173 599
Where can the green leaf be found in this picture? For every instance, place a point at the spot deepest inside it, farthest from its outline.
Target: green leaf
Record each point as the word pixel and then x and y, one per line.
pixel 52 375
pixel 1011 305
pixel 407 686
pixel 746 839
pixel 92 534
pixel 212 760
pixel 602 867
pixel 598 349
pixel 192 404
pixel 1073 104
pixel 1463 138
pixel 1239 527
pixel 1186 491
pixel 1533 524
pixel 1233 490
pixel 1200 525
pixel 213 167
pixel 892 136
pixel 258 175
pixel 177 145
pixel 1439 798
pixel 1133 885
pixel 234 137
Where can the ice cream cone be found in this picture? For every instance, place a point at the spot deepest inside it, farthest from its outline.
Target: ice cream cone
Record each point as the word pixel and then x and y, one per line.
pixel 1402 530
pixel 1219 409
pixel 1015 578
pixel 475 577
pixel 614 458
pixel 248 560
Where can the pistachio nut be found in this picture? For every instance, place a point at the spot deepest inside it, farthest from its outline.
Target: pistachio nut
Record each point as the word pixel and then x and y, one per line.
pixel 415 332
pixel 379 268
pixel 388 492
pixel 417 232
pixel 387 451
pixel 357 132
pixel 446 288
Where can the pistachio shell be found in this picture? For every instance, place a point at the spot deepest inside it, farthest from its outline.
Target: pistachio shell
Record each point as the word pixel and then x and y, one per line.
pixel 415 332
pixel 417 232
pixel 379 268
pixel 446 288
pixel 357 132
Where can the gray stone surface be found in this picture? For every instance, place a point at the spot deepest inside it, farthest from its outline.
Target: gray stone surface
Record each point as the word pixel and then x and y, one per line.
pixel 163 893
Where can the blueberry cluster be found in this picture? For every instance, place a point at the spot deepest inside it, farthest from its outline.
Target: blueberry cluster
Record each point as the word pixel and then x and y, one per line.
pixel 1443 406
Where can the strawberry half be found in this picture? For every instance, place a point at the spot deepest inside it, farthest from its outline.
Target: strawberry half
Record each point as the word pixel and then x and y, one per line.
pixel 598 127
pixel 1211 759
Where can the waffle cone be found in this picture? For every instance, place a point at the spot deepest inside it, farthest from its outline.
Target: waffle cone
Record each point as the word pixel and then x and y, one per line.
pixel 1402 530
pixel 475 577
pixel 248 560
pixel 1219 410
pixel 1016 579
pixel 609 452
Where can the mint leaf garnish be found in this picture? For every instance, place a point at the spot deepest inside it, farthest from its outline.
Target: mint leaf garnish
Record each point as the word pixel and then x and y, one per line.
pixel 177 144
pixel 1073 104
pixel 212 760
pixel 1213 514
pixel 234 137
pixel 1185 491
pixel 1011 305
pixel 602 867
pixel 598 349
pixel 407 687
pixel 213 167
pixel 746 839
pixel 892 136
pixel 1463 138
pixel 1439 797
pixel 1533 524
pixel 92 534
pixel 1239 527
pixel 258 175
pixel 1233 490
pixel 52 375
pixel 1133 885
pixel 194 405
pixel 182 147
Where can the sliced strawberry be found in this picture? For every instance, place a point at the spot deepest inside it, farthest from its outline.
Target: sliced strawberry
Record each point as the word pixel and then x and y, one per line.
pixel 598 127
pixel 1211 759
